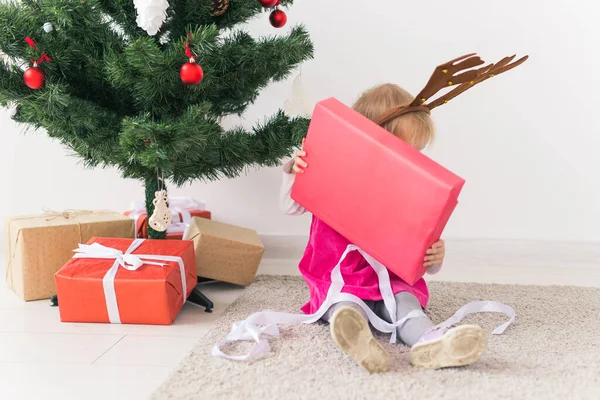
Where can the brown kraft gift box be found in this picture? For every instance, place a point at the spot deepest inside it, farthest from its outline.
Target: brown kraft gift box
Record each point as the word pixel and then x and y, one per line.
pixel 38 246
pixel 225 252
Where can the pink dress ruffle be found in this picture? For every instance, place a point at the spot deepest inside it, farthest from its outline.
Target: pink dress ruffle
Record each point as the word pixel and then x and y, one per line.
pixel 324 250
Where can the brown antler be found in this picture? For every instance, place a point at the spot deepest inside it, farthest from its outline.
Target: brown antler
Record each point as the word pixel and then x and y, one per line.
pixel 447 75
pixel 482 74
pixel 443 76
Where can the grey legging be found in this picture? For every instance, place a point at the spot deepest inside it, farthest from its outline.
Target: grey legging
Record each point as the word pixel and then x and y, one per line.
pixel 410 332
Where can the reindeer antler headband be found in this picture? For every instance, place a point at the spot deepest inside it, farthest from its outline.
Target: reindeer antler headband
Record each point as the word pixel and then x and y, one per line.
pixel 449 74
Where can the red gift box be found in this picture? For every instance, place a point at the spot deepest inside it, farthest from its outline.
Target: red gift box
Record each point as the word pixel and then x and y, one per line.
pixel 405 199
pixel 151 294
pixel 176 231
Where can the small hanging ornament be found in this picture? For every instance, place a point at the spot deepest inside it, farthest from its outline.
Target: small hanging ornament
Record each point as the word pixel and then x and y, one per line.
pixel 161 217
pixel 219 7
pixel 299 103
pixel 34 76
pixel 191 72
pixel 48 27
pixel 278 18
pixel 12 110
pixel 268 3
pixel 151 14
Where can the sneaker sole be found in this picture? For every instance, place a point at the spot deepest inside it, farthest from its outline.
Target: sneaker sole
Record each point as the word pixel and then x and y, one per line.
pixel 352 334
pixel 461 346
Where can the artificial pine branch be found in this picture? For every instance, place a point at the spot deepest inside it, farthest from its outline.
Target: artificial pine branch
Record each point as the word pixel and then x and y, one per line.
pixel 114 97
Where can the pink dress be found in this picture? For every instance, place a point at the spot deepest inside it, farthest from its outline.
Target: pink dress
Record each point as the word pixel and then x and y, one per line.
pixel 323 251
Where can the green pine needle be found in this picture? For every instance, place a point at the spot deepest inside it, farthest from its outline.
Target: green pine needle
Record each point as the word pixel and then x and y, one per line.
pixel 114 97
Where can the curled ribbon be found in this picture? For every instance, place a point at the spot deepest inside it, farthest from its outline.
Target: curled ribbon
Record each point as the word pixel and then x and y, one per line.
pixel 30 42
pixel 188 52
pixel 43 57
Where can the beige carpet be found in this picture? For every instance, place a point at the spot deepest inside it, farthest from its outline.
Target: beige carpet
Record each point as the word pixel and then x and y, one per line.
pixel 551 352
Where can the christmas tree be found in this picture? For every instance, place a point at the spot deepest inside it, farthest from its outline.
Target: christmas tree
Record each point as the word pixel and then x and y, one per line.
pixel 141 85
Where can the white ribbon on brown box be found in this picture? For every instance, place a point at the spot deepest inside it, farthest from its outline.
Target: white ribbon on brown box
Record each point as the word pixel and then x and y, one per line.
pixel 265 322
pixel 131 262
pixel 179 207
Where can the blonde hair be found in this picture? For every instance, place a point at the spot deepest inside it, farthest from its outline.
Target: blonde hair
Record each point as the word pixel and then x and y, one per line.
pixel 415 128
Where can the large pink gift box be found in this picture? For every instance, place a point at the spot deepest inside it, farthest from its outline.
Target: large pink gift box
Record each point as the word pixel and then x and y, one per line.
pixel 384 196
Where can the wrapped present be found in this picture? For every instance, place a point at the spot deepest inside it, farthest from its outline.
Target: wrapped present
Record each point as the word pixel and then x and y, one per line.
pixel 37 246
pixel 126 281
pixel 405 198
pixel 225 252
pixel 183 209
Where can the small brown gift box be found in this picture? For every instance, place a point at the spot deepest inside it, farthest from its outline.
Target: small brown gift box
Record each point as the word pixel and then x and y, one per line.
pixel 225 252
pixel 38 246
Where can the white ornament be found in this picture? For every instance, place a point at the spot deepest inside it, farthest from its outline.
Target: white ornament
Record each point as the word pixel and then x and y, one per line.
pixel 151 14
pixel 299 104
pixel 48 27
pixel 161 217
pixel 12 111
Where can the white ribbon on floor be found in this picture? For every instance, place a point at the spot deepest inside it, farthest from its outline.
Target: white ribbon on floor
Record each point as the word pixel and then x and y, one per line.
pixel 477 307
pixel 131 262
pixel 265 322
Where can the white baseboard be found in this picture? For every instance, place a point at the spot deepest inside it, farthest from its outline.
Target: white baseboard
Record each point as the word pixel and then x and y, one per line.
pixel 483 261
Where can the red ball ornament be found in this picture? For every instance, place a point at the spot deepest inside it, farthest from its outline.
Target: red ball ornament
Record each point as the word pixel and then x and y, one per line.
pixel 191 73
pixel 34 77
pixel 268 3
pixel 278 19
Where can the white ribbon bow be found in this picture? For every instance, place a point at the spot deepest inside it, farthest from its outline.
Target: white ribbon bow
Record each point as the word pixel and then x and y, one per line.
pixel 131 262
pixel 249 329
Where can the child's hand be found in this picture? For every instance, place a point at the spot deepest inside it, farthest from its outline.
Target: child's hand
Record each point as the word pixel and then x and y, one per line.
pixel 435 255
pixel 299 163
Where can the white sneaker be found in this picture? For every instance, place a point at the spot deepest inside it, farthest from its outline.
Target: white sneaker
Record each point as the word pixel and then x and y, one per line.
pixel 455 347
pixel 352 334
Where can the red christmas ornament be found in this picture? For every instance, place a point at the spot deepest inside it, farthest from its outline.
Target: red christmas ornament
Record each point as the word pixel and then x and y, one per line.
pixel 268 3
pixel 35 77
pixel 191 72
pixel 278 18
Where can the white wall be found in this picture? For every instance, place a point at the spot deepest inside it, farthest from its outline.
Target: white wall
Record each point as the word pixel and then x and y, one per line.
pixel 526 142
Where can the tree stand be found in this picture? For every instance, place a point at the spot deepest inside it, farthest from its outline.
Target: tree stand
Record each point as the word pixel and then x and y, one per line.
pixel 198 298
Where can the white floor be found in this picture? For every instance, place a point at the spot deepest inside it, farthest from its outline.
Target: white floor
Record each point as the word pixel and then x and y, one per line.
pixel 41 358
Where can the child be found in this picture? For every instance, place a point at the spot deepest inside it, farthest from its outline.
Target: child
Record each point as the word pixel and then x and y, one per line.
pixel 462 345
pixel 348 287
